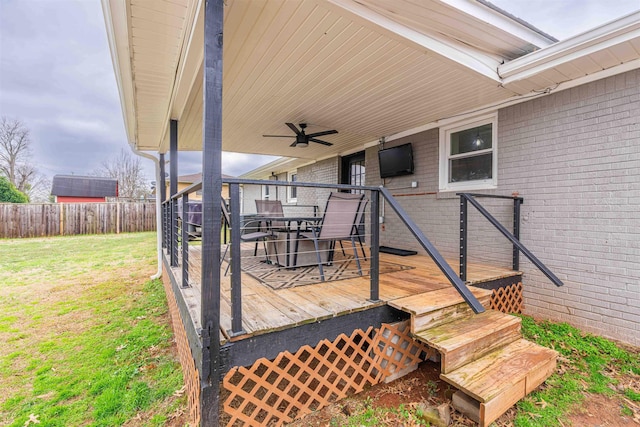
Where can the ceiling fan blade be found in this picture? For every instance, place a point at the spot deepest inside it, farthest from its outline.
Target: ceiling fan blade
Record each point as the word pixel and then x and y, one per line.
pixel 319 141
pixel 294 144
pixel 277 136
pixel 293 128
pixel 326 132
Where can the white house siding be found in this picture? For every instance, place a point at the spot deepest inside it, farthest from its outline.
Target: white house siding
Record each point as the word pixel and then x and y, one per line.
pixel 575 157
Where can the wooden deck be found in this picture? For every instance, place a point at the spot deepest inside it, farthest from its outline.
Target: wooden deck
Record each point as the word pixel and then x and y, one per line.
pixel 266 310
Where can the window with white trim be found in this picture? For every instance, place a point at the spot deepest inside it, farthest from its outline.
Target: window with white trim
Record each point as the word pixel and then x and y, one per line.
pixel 266 192
pixel 292 192
pixel 469 154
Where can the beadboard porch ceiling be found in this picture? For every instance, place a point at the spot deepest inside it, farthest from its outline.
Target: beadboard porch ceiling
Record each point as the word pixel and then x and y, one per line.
pixel 368 68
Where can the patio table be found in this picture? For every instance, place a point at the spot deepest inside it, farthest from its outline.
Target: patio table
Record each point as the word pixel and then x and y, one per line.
pixel 293 225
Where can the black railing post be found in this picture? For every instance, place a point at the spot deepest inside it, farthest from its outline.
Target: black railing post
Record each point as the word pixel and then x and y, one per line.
pixel 236 275
pixel 173 189
pixel 463 238
pixel 516 232
pixel 435 255
pixel 374 256
pixel 162 188
pixel 185 240
pixel 174 232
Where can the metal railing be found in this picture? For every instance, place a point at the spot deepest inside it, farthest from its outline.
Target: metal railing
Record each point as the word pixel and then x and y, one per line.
pixel 514 237
pixel 177 236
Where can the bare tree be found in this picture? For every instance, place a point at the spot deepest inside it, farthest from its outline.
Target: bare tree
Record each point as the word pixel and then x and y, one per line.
pixel 15 153
pixel 127 169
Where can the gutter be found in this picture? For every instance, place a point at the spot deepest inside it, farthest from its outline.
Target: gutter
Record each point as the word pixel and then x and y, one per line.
pixel 156 162
pixel 614 33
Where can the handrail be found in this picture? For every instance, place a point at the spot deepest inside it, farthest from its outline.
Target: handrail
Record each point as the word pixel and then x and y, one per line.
pixel 435 255
pixel 516 242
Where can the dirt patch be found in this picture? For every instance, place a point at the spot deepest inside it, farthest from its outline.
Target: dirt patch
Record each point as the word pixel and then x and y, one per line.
pixel 424 385
pixel 602 411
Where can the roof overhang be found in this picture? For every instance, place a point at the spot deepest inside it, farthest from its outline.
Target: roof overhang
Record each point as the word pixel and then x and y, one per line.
pixel 368 68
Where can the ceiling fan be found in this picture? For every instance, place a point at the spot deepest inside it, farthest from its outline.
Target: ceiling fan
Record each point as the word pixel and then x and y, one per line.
pixel 302 139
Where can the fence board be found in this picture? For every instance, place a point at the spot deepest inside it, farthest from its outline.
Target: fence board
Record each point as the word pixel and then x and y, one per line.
pixel 53 219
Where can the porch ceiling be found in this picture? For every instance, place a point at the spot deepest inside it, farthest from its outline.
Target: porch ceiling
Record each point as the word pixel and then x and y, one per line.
pixel 361 67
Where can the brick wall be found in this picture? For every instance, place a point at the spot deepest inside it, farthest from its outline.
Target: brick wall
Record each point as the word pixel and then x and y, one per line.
pixel 575 157
pixel 324 171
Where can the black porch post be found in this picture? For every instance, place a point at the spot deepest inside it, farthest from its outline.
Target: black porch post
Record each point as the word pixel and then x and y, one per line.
pixel 173 189
pixel 374 257
pixel 162 188
pixel 211 217
pixel 463 238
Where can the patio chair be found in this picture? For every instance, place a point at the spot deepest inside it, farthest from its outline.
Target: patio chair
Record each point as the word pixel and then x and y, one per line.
pixel 356 227
pixel 271 208
pixel 337 224
pixel 254 236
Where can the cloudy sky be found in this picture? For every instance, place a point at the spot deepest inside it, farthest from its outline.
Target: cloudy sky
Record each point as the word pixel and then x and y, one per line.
pixel 56 76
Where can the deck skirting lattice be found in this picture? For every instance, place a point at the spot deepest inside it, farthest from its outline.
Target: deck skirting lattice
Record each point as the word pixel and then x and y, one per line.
pixel 272 392
pixel 508 299
pixel 189 371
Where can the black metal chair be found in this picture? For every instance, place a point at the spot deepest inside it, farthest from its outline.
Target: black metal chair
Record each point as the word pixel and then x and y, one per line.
pixel 337 224
pixel 254 236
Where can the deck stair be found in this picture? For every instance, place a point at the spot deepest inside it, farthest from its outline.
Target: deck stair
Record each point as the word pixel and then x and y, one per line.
pixel 482 355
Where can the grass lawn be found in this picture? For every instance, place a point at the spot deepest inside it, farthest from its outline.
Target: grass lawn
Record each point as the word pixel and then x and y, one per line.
pixel 84 334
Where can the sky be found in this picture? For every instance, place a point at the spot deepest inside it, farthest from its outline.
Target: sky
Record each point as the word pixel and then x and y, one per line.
pixel 56 76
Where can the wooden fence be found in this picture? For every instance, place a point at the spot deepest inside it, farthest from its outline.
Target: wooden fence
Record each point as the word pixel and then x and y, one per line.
pixel 53 219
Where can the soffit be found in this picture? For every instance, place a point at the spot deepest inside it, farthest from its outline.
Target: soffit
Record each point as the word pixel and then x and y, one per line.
pixel 615 44
pixel 156 34
pixel 299 61
pixel 314 61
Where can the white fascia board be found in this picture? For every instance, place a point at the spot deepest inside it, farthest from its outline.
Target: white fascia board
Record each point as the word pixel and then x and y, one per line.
pixel 498 20
pixel 459 53
pixel 117 27
pixel 598 39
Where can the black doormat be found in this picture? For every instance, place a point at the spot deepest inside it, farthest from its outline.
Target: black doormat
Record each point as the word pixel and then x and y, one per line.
pixel 396 251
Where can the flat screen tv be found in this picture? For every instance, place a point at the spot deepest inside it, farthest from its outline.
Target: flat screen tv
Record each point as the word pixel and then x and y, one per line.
pixel 396 161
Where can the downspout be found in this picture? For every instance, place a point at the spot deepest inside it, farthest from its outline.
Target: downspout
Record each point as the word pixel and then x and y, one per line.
pixel 156 162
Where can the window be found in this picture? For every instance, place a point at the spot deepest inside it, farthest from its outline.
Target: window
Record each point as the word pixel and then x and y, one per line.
pixel 266 190
pixel 468 155
pixel 292 192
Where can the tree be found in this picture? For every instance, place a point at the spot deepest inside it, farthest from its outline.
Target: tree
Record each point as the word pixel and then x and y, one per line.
pixel 15 153
pixel 10 194
pixel 127 169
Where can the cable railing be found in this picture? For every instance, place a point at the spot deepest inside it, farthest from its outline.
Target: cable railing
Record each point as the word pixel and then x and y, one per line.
pixel 260 244
pixel 514 237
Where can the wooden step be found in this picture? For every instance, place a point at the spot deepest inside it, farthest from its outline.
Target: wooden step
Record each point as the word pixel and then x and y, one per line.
pixel 503 377
pixel 434 308
pixel 469 338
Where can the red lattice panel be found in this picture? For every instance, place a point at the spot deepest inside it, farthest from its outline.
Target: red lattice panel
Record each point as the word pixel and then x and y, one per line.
pixel 189 371
pixel 293 385
pixel 508 299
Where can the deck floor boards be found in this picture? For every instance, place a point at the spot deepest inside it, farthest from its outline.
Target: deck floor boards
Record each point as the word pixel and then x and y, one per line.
pixel 265 309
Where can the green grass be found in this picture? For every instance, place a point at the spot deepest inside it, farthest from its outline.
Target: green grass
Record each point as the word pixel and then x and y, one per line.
pixel 587 364
pixel 84 333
